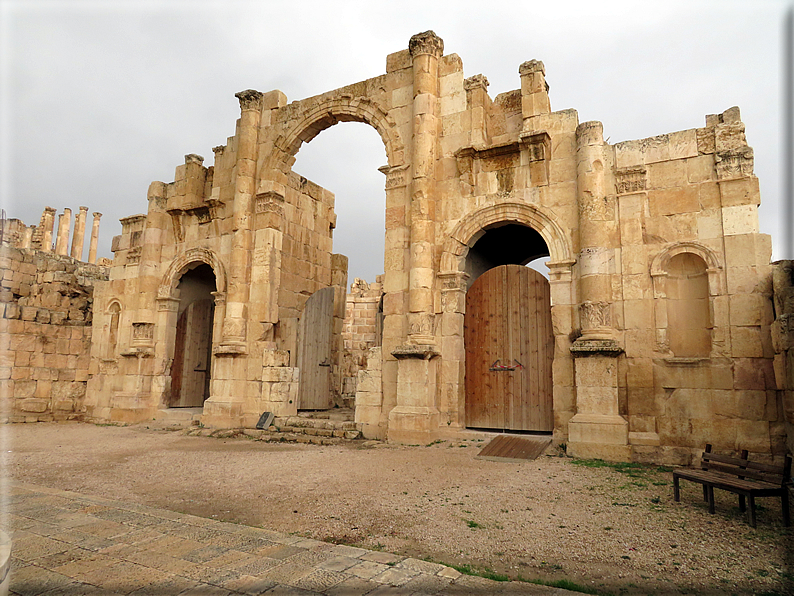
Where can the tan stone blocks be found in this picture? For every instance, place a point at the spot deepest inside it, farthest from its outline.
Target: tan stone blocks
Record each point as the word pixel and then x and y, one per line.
pixel 700 169
pixel 749 309
pixel 673 201
pixel 746 342
pixel 638 314
pixel 666 174
pixel 742 191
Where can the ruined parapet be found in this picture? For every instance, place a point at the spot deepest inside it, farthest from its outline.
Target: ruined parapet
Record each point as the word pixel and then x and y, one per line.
pixel 46 308
pixel 363 329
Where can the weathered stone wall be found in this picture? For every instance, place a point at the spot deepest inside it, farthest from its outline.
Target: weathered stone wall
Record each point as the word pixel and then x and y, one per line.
pixel 45 334
pixel 362 330
pixel 783 342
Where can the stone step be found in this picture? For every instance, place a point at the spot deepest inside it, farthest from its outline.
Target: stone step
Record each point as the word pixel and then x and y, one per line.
pixel 276 436
pixel 315 423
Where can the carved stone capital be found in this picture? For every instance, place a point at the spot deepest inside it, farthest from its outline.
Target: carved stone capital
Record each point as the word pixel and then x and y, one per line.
pixel 142 334
pixel 629 180
pixel 194 158
pixel 250 99
pixel 219 150
pixel 538 144
pixel 426 43
pixel 478 81
pixel 595 315
pixel 453 280
pixel 734 163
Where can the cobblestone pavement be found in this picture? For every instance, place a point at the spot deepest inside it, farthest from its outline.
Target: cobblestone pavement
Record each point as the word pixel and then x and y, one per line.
pixel 65 543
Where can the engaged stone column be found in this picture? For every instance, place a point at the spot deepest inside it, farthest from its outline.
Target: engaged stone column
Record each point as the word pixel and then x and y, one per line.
pixel 78 237
pixel 416 414
pixel 426 49
pixel 62 239
pixel 234 326
pixel 597 430
pixel 92 246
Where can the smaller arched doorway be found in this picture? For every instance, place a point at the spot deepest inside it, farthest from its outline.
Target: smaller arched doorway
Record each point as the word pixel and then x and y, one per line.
pixel 508 333
pixel 191 366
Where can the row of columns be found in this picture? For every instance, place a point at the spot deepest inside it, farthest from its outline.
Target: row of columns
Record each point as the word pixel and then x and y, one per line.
pixel 47 227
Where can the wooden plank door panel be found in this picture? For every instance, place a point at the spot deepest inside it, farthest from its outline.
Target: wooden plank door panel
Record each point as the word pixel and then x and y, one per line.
pixel 314 352
pixel 508 320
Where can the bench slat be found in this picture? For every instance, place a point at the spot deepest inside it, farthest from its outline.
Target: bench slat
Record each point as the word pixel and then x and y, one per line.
pixel 746 473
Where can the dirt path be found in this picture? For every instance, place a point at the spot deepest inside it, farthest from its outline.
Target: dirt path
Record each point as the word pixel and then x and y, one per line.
pixel 551 518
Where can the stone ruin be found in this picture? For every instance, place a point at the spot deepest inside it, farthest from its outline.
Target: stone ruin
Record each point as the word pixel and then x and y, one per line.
pixel 661 326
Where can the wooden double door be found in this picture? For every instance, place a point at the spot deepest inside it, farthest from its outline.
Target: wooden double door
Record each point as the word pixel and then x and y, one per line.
pixel 509 351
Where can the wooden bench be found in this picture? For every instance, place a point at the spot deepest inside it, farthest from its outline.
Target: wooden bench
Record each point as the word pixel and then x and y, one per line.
pixel 740 476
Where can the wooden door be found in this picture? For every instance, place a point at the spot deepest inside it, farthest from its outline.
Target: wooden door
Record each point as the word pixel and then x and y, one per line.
pixel 190 372
pixel 509 351
pixel 314 351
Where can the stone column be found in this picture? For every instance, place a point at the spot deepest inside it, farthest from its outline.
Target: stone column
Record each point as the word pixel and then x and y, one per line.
pixel 92 247
pixel 426 49
pixel 597 430
pixel 78 237
pixel 42 236
pixel 234 326
pixel 62 239
pixel 415 416
pixel 534 90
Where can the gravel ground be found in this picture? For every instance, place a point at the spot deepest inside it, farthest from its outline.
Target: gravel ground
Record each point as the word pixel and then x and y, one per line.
pixel 616 531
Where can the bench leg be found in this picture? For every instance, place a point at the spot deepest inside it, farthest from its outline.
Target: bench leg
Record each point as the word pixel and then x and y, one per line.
pixel 705 492
pixel 676 489
pixel 784 506
pixel 751 498
pixel 742 504
pixel 710 496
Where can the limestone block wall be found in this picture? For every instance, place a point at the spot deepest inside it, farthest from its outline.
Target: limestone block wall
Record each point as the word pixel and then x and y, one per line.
pixel 45 334
pixel 362 330
pixel 783 342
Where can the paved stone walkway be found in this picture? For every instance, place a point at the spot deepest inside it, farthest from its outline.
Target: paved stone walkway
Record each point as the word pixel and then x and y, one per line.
pixel 65 543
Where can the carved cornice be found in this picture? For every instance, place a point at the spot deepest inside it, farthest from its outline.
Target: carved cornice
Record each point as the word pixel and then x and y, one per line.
pixel 538 144
pixel 250 99
pixel 426 43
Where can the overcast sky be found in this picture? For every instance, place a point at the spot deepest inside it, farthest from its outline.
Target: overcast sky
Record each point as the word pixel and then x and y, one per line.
pixel 101 98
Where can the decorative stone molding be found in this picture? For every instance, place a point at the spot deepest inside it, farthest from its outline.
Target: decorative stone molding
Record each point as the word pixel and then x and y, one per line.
pixel 134 255
pixel 538 145
pixel 167 304
pixel 453 280
pixel 595 315
pixel 319 116
pixel 269 202
pixel 629 180
pixel 426 43
pixel 420 351
pixel 250 99
pixel 395 176
pixel 420 324
pixel 734 163
pixel 218 151
pixel 142 334
pixel 596 347
pixel 180 264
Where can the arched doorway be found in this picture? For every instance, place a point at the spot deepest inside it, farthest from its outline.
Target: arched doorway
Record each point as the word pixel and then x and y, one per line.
pixel 508 333
pixel 191 366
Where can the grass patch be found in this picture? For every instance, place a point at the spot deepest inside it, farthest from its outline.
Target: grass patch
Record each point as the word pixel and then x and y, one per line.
pixel 485 572
pixel 564 584
pixel 473 525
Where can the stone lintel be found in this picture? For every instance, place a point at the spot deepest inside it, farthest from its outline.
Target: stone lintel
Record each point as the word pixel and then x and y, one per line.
pixel 422 351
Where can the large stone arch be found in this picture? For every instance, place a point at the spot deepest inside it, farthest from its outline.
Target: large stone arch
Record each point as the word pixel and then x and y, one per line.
pixel 471 227
pixel 325 114
pixel 182 262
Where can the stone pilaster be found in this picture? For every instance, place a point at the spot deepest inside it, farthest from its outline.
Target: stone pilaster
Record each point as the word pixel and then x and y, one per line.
pixel 597 430
pixel 425 49
pixel 478 101
pixel 234 327
pixel 62 239
pixel 92 247
pixel 416 414
pixel 78 237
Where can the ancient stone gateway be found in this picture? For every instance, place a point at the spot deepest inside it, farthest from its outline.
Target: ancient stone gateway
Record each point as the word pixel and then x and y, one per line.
pixel 658 281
